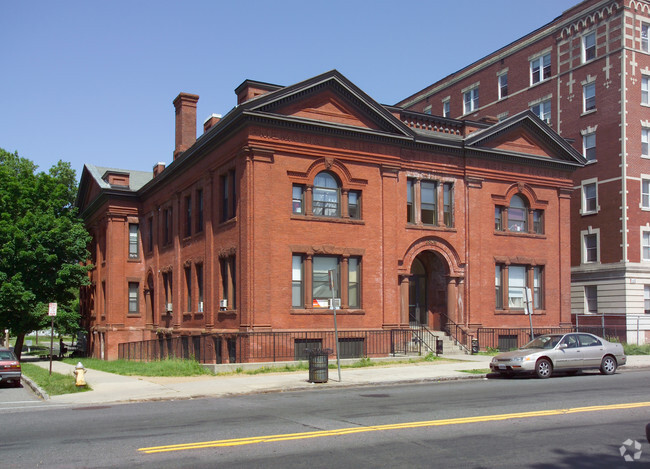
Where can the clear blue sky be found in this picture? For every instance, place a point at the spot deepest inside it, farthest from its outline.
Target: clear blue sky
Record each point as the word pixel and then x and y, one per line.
pixel 93 81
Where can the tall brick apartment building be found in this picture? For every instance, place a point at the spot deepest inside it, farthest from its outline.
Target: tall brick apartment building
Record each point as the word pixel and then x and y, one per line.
pixel 587 74
pixel 239 232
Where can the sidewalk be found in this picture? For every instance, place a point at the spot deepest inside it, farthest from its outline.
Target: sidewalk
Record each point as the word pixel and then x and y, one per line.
pixel 110 388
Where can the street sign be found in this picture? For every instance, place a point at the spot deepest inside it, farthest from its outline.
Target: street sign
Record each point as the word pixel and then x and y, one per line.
pixel 52 309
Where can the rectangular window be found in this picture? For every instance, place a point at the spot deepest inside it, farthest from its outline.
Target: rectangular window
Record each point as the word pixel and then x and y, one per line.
pixel 150 234
pixel 167 225
pixel 591 247
pixel 228 196
pixel 516 286
pixel 498 282
pixel 498 218
pixel 538 221
pixel 644 37
pixel 645 245
pixel 297 199
pixel 591 298
pixel 540 69
pixel 538 287
pixel 410 208
pixel 589 146
pixel 543 110
pixel 354 204
pixel 427 110
pixel 503 85
pixel 228 281
pixel 167 285
pixel 645 139
pixel 354 287
pixel 447 204
pixel 188 286
pixel 645 193
pixel 134 304
pixel 470 101
pixel 446 110
pixel 134 241
pixel 589 198
pixel 199 285
pixel 646 299
pixel 188 216
pixel 588 47
pixel 589 97
pixel 199 210
pixel 321 265
pixel 428 206
pixel 645 88
pixel 297 292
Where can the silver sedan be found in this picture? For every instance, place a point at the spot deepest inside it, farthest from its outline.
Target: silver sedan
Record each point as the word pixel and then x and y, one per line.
pixel 565 352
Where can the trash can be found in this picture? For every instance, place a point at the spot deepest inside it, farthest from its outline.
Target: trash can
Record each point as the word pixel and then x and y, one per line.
pixel 475 348
pixel 318 361
pixel 439 343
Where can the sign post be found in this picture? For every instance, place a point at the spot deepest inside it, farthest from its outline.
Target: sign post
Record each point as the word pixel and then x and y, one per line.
pixel 333 307
pixel 52 313
pixel 529 310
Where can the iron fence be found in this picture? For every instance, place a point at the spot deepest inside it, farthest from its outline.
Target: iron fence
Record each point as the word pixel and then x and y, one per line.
pixel 246 347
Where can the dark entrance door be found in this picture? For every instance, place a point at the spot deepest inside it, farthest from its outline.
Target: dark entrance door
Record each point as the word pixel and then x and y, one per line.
pixel 418 294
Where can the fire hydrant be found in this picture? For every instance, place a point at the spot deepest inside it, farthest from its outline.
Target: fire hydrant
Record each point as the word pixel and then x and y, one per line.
pixel 80 375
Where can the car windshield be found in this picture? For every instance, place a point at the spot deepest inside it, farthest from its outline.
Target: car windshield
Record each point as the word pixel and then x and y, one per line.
pixel 6 355
pixel 543 341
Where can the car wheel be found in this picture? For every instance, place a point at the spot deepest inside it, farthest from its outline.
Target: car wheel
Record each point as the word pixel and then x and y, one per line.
pixel 608 365
pixel 543 368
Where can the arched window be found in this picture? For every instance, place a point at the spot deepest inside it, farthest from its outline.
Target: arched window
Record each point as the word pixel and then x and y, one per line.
pixel 518 214
pixel 327 196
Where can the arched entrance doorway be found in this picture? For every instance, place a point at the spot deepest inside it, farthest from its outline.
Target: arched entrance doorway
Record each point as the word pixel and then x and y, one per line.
pixel 149 300
pixel 427 293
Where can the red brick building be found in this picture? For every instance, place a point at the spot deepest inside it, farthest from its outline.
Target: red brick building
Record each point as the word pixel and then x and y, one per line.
pixel 587 74
pixel 239 232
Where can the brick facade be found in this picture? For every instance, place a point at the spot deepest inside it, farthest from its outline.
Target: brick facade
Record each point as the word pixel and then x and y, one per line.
pixel 315 176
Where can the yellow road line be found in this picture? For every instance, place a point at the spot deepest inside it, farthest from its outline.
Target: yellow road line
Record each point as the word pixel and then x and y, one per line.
pixel 394 426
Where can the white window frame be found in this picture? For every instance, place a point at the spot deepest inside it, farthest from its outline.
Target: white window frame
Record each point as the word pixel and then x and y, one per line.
pixel 543 113
pixel 645 90
pixel 583 245
pixel 589 143
pixel 446 107
pixel 538 61
pixel 646 299
pixel 594 289
pixel 645 244
pixel 583 192
pixel 588 94
pixel 645 142
pixel 427 110
pixel 586 48
pixel 502 75
pixel 644 202
pixel 645 32
pixel 473 93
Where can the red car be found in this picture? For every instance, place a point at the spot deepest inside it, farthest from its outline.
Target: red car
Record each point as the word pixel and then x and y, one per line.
pixel 10 371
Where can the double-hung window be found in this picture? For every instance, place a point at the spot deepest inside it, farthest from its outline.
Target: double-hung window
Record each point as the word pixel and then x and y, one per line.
pixel 540 69
pixel 134 293
pixel 645 27
pixel 188 286
pixel 515 278
pixel 322 291
pixel 645 89
pixel 354 204
pixel 589 198
pixel 188 215
pixel 646 299
pixel 326 196
pixel 470 100
pixel 428 206
pixel 446 109
pixel 645 194
pixel 297 199
pixel 645 245
pixel 590 243
pixel 588 47
pixel 589 96
pixel 645 140
pixel 134 240
pixel 332 276
pixel 297 281
pixel 589 146
pixel 410 195
pixel 503 85
pixel 199 210
pixel 517 215
pixel 591 298
pixel 542 110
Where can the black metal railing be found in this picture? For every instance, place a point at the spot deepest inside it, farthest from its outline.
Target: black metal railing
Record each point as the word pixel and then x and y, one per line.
pixel 243 347
pixel 460 335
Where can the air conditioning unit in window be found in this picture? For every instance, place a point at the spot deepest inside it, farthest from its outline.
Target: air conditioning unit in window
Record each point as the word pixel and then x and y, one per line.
pixel 223 304
pixel 200 306
pixel 169 307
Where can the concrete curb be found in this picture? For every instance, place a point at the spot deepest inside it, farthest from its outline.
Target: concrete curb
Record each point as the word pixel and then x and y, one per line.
pixel 34 387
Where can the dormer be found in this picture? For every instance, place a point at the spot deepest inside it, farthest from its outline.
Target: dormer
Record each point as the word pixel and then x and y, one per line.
pixel 250 89
pixel 116 178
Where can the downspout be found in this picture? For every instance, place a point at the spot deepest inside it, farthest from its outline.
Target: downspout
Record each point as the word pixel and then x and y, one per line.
pixel 624 157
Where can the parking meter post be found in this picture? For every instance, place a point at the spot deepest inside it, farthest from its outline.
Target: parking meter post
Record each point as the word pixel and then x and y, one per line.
pixel 332 284
pixel 529 310
pixel 51 344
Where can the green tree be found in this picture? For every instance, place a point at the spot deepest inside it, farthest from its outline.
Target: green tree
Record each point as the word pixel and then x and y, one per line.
pixel 42 246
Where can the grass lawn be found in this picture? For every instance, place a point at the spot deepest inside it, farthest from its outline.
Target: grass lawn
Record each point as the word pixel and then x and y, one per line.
pixel 55 384
pixel 168 367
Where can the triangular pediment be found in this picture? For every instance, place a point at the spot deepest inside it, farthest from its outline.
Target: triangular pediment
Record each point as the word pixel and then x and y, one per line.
pixel 329 99
pixel 527 136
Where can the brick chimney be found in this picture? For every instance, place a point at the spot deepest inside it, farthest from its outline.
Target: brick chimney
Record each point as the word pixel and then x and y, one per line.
pixel 211 122
pixel 158 168
pixel 185 105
